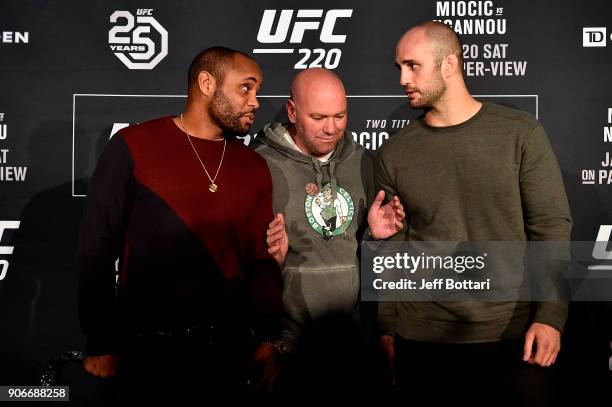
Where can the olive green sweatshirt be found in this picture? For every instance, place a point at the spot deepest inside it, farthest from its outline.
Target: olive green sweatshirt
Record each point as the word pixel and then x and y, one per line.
pixel 493 177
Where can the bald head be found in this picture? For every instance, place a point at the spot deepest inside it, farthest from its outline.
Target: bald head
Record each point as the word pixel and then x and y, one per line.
pixel 316 82
pixel 429 57
pixel 317 111
pixel 440 39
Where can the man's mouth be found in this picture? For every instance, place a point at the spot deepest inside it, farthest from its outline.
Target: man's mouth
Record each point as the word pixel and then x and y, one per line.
pixel 328 139
pixel 250 117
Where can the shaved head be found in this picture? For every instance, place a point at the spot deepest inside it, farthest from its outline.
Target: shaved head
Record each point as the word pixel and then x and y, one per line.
pixel 430 59
pixel 442 40
pixel 317 111
pixel 317 81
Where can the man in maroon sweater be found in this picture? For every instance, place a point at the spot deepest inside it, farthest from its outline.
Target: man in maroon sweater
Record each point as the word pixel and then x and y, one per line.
pixel 185 208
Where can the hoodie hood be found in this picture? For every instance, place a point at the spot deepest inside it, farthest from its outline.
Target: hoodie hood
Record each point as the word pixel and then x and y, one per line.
pixel 273 135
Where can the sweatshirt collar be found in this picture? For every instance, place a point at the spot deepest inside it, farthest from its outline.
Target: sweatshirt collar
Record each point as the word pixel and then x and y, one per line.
pixel 292 144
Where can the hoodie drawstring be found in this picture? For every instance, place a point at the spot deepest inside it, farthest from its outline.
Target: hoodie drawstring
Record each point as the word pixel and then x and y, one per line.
pixel 333 182
pixel 317 167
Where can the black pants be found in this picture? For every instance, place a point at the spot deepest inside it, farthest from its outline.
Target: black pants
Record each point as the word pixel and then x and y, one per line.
pixel 185 369
pixel 490 374
pixel 333 363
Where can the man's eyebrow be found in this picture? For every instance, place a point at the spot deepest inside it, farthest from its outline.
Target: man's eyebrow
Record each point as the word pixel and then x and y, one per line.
pixel 328 115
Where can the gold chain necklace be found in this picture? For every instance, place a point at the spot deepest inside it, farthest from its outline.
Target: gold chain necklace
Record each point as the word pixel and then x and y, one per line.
pixel 212 187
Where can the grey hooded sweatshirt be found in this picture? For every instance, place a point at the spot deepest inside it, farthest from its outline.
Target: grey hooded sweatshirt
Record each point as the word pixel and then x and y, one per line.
pixel 325 206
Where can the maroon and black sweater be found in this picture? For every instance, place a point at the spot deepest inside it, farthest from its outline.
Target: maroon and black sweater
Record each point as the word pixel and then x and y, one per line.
pixel 187 256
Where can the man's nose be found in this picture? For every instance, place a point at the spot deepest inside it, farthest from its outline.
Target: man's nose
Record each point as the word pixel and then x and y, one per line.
pixel 253 102
pixel 330 126
pixel 405 77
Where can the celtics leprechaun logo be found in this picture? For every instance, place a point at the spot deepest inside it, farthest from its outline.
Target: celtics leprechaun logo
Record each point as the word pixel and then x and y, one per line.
pixel 329 216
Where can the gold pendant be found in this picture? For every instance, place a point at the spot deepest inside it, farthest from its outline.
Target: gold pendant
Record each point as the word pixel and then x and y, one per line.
pixel 212 187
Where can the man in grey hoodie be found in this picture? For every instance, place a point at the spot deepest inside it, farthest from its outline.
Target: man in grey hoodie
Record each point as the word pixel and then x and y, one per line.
pixel 322 185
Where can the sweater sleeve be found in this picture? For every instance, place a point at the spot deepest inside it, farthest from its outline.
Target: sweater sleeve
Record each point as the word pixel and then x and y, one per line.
pixel 264 280
pixel 367 179
pixel 102 235
pixel 387 310
pixel 547 216
pixel 384 179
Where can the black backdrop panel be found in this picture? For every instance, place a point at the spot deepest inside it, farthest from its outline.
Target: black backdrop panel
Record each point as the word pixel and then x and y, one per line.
pixel 72 73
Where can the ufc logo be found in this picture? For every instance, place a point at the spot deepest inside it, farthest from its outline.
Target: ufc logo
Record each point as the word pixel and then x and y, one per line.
pixel 327 35
pixel 600 251
pixel 8 250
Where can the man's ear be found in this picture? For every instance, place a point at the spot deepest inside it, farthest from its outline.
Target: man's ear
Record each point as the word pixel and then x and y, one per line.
pixel 207 84
pixel 450 65
pixel 291 114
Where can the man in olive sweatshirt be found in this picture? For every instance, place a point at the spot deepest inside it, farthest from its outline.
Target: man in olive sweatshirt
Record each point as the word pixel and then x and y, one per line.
pixel 468 171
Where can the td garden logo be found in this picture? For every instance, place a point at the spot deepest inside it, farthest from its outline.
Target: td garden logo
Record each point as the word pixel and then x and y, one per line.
pixel 140 42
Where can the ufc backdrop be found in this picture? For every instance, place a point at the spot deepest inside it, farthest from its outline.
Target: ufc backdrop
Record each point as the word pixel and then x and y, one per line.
pixel 73 73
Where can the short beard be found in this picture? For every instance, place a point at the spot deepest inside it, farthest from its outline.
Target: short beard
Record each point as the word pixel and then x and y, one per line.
pixel 222 114
pixel 433 92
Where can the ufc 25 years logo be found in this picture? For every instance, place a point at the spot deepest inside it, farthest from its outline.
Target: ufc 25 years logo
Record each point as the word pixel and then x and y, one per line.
pixel 131 40
pixel 290 27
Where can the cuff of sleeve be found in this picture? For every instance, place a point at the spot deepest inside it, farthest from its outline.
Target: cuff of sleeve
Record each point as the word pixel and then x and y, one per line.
pixel 369 237
pixel 553 314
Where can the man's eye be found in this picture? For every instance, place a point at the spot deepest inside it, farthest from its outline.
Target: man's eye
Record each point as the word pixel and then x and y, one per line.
pixel 245 88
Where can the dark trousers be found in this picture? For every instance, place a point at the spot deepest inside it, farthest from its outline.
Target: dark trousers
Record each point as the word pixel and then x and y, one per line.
pixel 490 374
pixel 183 368
pixel 333 363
